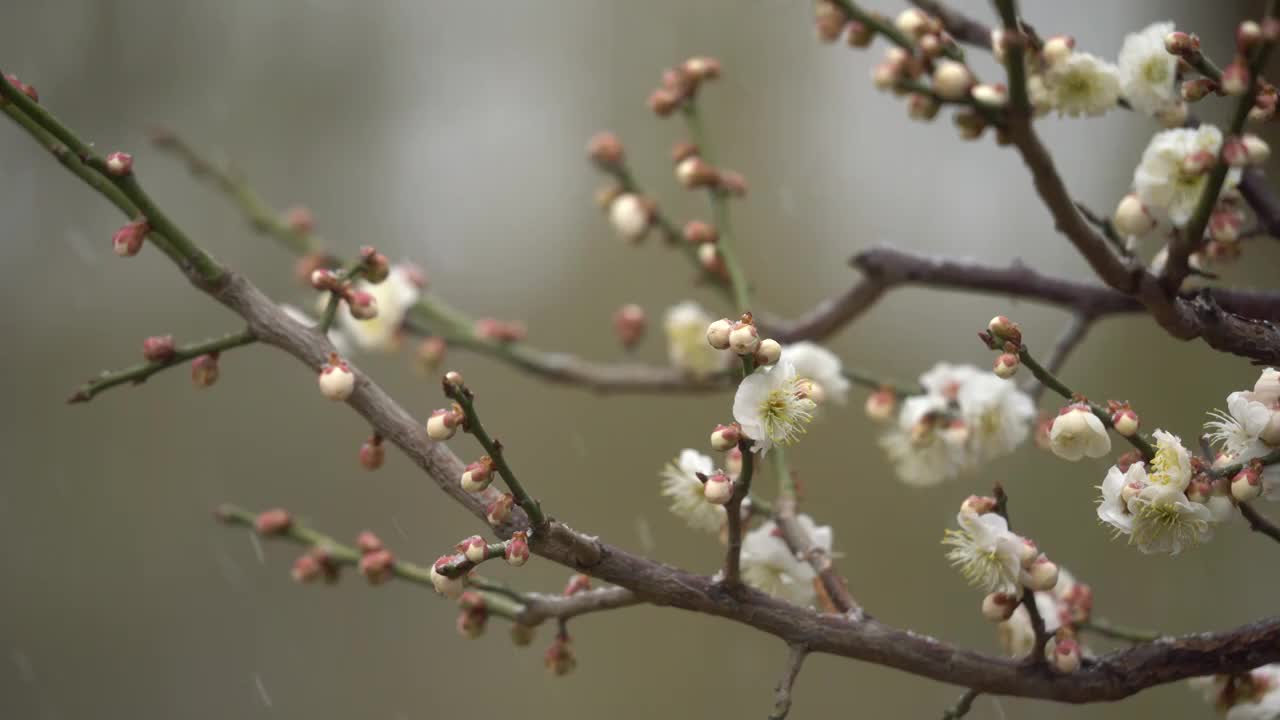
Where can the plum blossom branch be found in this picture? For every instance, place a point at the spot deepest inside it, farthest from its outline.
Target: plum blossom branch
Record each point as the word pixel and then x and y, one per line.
pixel 782 693
pixel 733 515
pixel 139 374
pixel 880 25
pixel 1257 521
pixel 1028 595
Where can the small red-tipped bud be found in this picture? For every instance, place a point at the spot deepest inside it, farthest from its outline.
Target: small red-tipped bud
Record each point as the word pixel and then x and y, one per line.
pixel 272 522
pixel 1235 78
pixel 1131 217
pixel 710 259
pixel 718 488
pixel 158 348
pixel 978 504
pixel 996 96
pixel 629 324
pixel 971 125
pixel 1247 484
pixel 694 172
pixel 1066 655
pixel 522 635
pixel 1003 329
pixel 377 566
pixel 24 88
pixel 1180 43
pixel 932 45
pixel 1125 421
pixel 702 68
pixel 307 568
pixel 733 183
pixel 300 220
pixel 1256 149
pixel 861 35
pixel 1042 575
pixel 830 21
pixel 307 264
pixel 477 475
pixel 447 586
pixel 682 150
pixel 1196 90
pixel 1006 365
pixel 998 606
pixel 324 279
pixel 1058 48
pixel 119 164
pixel 517 549
pixel 474 548
pixel 363 305
pixel 500 330
pixel 204 370
pixel 769 352
pixel 453 378
pixel 1248 33
pixel 372 453
pixel 1198 162
pixel 499 511
pixel 430 354
pixel 663 102
pixel 605 150
pixel 881 404
pixel 367 542
pixel 718 333
pixel 577 583
pixel 376 265
pixel 443 424
pixel 952 80
pixel 559 658
pixel 127 241
pixel 336 380
pixel 698 232
pixel 473 620
pixel 726 437
pixel 744 339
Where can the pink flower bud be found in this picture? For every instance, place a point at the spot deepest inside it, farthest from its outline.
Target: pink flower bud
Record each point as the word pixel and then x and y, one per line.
pixel 996 96
pixel 453 379
pixel 372 453
pixel 885 76
pixel 912 22
pixel 499 511
pixel 1006 365
pixel 605 150
pixel 119 164
pixel 522 635
pixel 718 489
pixel 443 424
pixel 998 606
pixel 377 566
pixel 559 658
pixel 577 583
pixel 127 241
pixel 272 522
pixel 367 542
pixel 376 266
pixel 363 305
pixel 631 216
pixel 1002 328
pixel 769 352
pixel 629 323
pixel 744 339
pixel 1196 90
pixel 517 549
pixel 24 88
pixel 830 21
pixel 472 621
pixel 971 125
pixel 204 370
pixel 881 404
pixel 702 68
pixel 718 333
pixel 922 107
pixel 725 437
pixel 447 586
pixel 694 172
pixel 158 348
pixel 1058 49
pixel 978 504
pixel 1131 217
pixel 1180 43
pixel 663 102
pixel 861 35
pixel 324 279
pixel 1125 421
pixel 1247 484
pixel 300 220
pixel 307 568
pixel 1066 655
pixel 698 232
pixel 477 475
pixel 710 259
pixel 1235 78
pixel 1042 575
pixel 336 380
pixel 475 549
pixel 733 183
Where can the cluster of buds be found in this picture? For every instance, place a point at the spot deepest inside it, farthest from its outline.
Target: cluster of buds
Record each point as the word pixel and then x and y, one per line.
pixel 315 564
pixel 443 424
pixel 743 339
pixel 372 453
pixel 1247 484
pixel 159 349
pixel 336 380
pixel 23 88
pixel 204 370
pixel 360 303
pixel 377 565
pixel 680 84
pixel 1123 418
pixel 559 658
pixel 881 404
pixel 629 325
pixel 127 241
pixel 503 331
pixel 477 476
pixel 473 614
pixel 1004 336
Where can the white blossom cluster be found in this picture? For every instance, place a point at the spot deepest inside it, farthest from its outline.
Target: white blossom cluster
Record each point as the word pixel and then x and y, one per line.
pixel 965 416
pixel 1249 430
pixel 393 298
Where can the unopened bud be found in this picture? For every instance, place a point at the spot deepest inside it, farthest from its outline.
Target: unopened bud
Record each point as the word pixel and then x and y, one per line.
pixel 372 453
pixel 1256 149
pixel 605 150
pixel 769 352
pixel 447 586
pixel 578 582
pixel 998 606
pixel 718 489
pixel 443 424
pixel 517 549
pixel 23 88
pixel 1247 484
pixel 324 279
pixel 119 164
pixel 1125 421
pixel 1006 365
pixel 978 504
pixel 952 80
pixel 1058 49
pixel 204 370
pixel 922 107
pixel 1066 655
pixel 630 216
pixel 710 259
pixel 718 333
pixel 1248 33
pixel 733 462
pixel 971 125
pixel 559 658
pixel 472 621
pixel 1196 90
pixel 629 323
pixel 1131 217
pixel 1235 78
pixel 475 549
pixel 1180 43
pixel 272 522
pixel 830 21
pixel 1042 575
pixel 367 542
pixel 1028 552
pixel 363 305
pixel 702 68
pixel 499 511
pixel 699 232
pixel 912 22
pixel 694 172
pixel 881 404
pixel 732 182
pixel 376 265
pixel 1002 328
pixel 522 635
pixel 158 348
pixel 725 437
pixel 861 35
pixel 744 339
pixel 1234 152
pixel 127 241
pixel 377 566
pixel 477 476
pixel 307 568
pixel 995 96
pixel 336 379
pixel 663 102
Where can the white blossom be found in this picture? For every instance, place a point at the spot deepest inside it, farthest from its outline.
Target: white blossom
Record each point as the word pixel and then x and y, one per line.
pixel 771 407
pixel 1112 508
pixel 687 347
pixel 1083 85
pixel 819 366
pixel 1171 466
pixel 769 565
pixel 680 483
pixel 393 296
pixel 1148 71
pixel 998 414
pixel 945 379
pixel 1162 180
pixel 1077 432
pixel 1165 521
pixel 1242 424
pixel 924 458
pixel 986 552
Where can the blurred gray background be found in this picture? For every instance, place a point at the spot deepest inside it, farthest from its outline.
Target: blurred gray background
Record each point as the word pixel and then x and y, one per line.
pixel 452 133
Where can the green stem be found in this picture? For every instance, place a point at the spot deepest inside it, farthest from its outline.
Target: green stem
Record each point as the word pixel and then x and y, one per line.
pixel 1101 627
pixel 466 400
pixel 886 28
pixel 139 373
pixel 786 481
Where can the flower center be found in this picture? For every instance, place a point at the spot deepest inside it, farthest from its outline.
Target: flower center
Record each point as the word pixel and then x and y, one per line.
pixel 1154 520
pixel 784 415
pixel 1155 71
pixel 1163 465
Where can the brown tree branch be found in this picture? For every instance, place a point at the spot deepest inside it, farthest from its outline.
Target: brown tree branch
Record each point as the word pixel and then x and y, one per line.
pixel 1259 522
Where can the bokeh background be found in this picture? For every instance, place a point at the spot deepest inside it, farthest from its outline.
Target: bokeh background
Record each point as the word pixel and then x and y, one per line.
pixel 452 133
